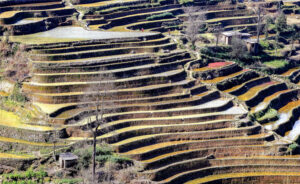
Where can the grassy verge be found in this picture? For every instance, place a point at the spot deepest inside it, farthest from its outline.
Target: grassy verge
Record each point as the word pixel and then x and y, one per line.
pixel 278 63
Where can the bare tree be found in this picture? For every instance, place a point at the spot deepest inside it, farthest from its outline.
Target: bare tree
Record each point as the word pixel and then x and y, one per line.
pixel 217 32
pixel 260 11
pixel 195 20
pixel 55 135
pixel 98 100
pixel 239 48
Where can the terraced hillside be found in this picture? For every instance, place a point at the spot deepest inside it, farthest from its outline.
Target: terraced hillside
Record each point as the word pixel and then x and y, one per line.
pixel 263 95
pixel 168 120
pixel 137 17
pixel 181 122
pixel 31 18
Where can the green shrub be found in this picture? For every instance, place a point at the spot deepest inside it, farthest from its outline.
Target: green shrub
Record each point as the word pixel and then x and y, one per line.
pixel 69 181
pixel 160 16
pixel 29 176
pixel 104 153
pixel 17 95
pixel 186 2
pixel 292 147
pixel 270 114
pixel 85 156
pixel 267 45
pixel 120 159
pixel 276 63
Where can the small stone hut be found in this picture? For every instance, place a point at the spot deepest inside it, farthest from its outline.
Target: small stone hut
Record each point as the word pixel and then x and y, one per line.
pixel 67 160
pixel 228 36
pixel 252 45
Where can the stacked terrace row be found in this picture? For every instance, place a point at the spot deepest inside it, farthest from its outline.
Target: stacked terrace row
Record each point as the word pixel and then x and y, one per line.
pixel 136 17
pixel 178 129
pixel 292 73
pixel 274 104
pixel 30 18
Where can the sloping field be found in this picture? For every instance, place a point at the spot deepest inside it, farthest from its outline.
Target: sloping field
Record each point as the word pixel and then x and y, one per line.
pixel 182 124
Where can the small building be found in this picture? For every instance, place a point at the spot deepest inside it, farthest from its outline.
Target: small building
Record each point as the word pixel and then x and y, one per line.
pixel 228 36
pixel 252 45
pixel 67 160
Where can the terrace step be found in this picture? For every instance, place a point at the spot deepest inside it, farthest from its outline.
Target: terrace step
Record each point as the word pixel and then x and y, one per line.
pixel 243 88
pixel 288 114
pixel 146 91
pixel 82 43
pixel 226 77
pixel 225 21
pixel 234 83
pixel 209 171
pixel 147 24
pixel 55 109
pixel 266 101
pixel 78 65
pixel 131 82
pixel 152 151
pixel 218 152
pixel 103 5
pixel 256 94
pixel 24 145
pixel 133 18
pixel 271 176
pixel 139 136
pixel 72 112
pixel 11 17
pixel 91 47
pixel 143 67
pixel 191 118
pixel 104 52
pixel 240 26
pixel 143 132
pixel 290 72
pixel 142 144
pixel 197 163
pixel 15 156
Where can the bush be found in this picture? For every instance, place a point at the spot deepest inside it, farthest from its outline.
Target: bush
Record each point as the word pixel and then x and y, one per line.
pixel 28 176
pixel 69 181
pixel 160 16
pixel 104 153
pixel 17 95
pixel 262 116
pixel 276 63
pixel 186 2
pixel 267 45
pixel 85 157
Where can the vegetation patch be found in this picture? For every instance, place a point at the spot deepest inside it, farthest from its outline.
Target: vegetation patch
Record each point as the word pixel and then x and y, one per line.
pixel 69 181
pixel 265 116
pixel 276 63
pixel 104 153
pixel 166 15
pixel 28 177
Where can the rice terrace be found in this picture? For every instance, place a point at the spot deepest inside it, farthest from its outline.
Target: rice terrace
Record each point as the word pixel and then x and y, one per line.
pixel 150 91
